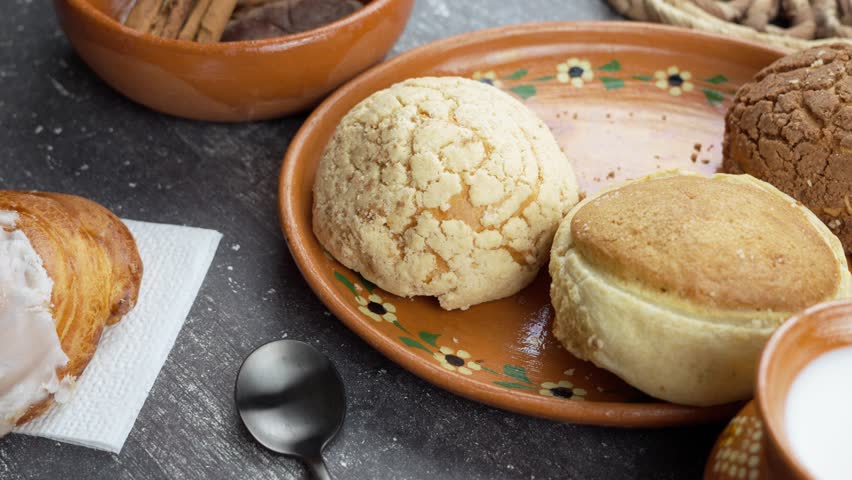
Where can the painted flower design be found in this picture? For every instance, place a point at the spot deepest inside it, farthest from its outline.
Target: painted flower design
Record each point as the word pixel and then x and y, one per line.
pixel 575 71
pixel 488 77
pixel 674 80
pixel 563 389
pixel 374 307
pixel 456 360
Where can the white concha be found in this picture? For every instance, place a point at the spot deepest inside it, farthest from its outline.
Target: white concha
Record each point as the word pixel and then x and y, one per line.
pixel 444 187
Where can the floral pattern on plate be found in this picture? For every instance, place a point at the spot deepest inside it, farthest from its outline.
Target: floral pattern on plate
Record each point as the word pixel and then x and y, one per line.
pixel 453 359
pixel 562 389
pixel 456 360
pixel 674 80
pixel 578 72
pixel 575 71
pixel 374 307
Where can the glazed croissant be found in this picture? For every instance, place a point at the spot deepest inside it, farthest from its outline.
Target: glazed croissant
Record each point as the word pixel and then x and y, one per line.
pixel 68 268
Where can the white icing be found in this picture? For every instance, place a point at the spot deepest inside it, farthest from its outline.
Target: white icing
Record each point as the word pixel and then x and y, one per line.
pixel 30 351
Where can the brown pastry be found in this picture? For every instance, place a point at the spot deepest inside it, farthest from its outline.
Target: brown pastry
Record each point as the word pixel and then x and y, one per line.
pixel 65 263
pixel 792 127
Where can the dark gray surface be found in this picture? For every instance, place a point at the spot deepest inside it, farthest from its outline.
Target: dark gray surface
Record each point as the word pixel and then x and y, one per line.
pixel 62 129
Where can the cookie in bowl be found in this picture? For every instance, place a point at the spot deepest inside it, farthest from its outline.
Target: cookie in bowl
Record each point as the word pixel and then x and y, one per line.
pixel 444 187
pixel 675 281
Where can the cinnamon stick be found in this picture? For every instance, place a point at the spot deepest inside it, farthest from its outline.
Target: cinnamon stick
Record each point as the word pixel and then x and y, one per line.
pixel 177 17
pixel 162 18
pixel 143 14
pixel 156 28
pixel 214 21
pixel 193 23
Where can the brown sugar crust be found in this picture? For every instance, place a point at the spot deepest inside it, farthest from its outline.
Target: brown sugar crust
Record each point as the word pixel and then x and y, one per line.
pixel 792 127
pixel 718 242
pixel 92 259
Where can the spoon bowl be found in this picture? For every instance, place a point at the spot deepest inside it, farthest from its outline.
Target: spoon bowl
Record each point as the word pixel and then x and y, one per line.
pixel 292 400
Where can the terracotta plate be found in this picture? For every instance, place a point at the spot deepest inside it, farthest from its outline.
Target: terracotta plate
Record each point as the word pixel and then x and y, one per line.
pixel 623 99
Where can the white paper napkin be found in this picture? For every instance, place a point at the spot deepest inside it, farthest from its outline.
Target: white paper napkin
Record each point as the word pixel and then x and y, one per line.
pixel 114 386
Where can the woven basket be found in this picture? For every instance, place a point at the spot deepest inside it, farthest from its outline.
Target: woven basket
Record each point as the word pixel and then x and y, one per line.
pixel 684 13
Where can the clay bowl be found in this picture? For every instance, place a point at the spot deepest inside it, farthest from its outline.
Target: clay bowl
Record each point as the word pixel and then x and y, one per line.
pixel 794 345
pixel 234 81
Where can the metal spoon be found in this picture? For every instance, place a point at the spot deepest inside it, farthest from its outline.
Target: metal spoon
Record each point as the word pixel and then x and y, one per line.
pixel 292 400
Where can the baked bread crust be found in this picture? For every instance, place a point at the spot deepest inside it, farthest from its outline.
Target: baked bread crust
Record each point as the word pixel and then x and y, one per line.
pixel 444 187
pixel 672 235
pixel 792 127
pixel 674 282
pixel 92 259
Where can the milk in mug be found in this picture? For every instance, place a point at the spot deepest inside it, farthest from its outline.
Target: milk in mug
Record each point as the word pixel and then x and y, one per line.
pixel 818 415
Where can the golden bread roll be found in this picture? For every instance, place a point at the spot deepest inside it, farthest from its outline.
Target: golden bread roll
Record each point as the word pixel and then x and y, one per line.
pixel 675 281
pixel 444 187
pixel 68 268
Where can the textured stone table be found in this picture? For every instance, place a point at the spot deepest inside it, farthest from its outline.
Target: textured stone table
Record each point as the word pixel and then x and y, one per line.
pixel 62 129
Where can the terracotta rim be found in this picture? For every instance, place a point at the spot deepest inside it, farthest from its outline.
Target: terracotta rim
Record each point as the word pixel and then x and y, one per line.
pixel 657 414
pixel 297 38
pixel 774 431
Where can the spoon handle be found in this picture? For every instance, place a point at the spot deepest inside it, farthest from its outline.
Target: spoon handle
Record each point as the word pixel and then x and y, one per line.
pixel 318 469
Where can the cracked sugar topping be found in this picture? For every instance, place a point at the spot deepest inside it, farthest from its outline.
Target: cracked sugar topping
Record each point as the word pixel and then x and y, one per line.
pixel 792 126
pixel 444 187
